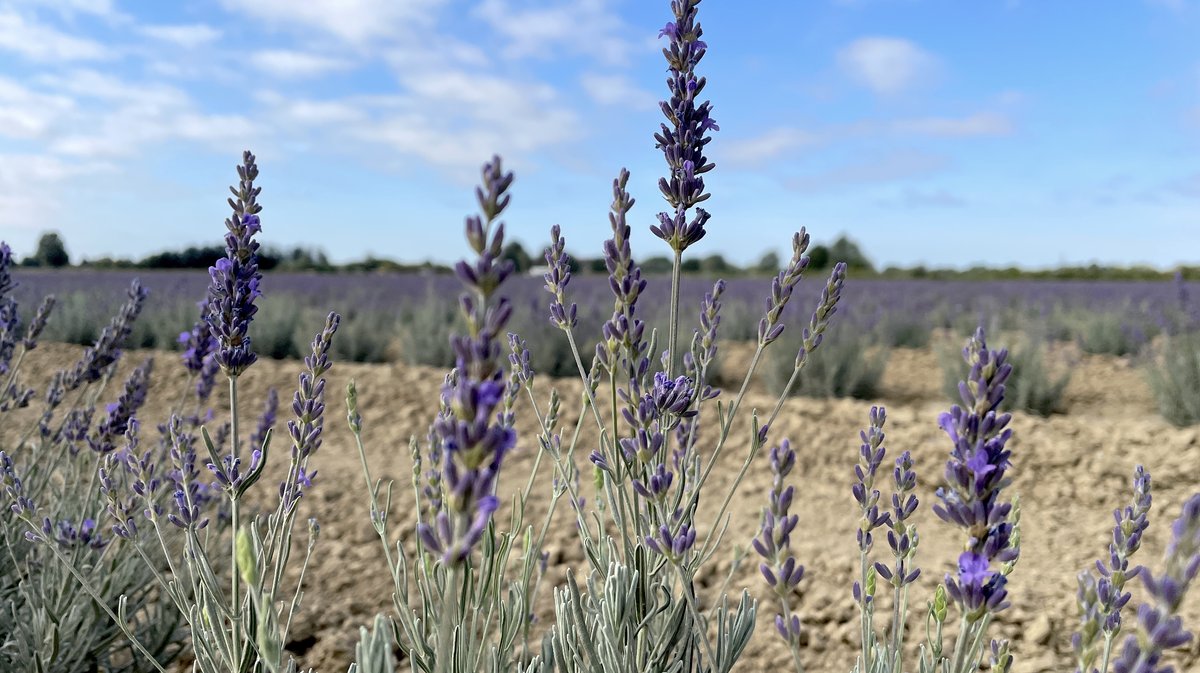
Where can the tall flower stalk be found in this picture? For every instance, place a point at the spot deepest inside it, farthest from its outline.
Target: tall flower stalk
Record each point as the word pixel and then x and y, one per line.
pixel 682 143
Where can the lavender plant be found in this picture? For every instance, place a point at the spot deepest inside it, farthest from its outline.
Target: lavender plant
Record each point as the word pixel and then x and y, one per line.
pixel 231 604
pixel 51 529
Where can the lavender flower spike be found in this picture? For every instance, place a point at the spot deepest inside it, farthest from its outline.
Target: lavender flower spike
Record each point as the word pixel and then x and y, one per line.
pixel 557 278
pixel 1102 599
pixel 235 277
pixel 473 441
pixel 1159 626
pixel 773 543
pixel 682 143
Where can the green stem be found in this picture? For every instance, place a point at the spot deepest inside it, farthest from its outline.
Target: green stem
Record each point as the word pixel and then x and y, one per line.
pixel 235 602
pixel 674 328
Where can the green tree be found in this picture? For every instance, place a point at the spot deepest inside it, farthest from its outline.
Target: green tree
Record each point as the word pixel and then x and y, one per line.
pixel 818 257
pixel 768 264
pixel 846 250
pixel 715 264
pixel 657 265
pixel 51 251
pixel 516 252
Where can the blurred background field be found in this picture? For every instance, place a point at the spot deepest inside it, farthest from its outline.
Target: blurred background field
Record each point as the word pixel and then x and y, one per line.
pixel 408 317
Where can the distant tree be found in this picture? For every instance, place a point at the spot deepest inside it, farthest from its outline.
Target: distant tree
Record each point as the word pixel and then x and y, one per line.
pixel 690 265
pixel 516 252
pixel 51 251
pixel 657 265
pixel 818 257
pixel 846 250
pixel 595 265
pixel 768 264
pixel 715 264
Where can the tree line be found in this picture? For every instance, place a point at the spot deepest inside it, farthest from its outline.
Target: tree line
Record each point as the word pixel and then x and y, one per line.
pixel 51 252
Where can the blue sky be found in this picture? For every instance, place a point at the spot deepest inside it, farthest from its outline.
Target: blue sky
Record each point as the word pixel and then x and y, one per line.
pixel 940 132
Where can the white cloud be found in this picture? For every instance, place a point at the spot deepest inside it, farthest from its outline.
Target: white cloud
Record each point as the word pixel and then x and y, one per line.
pixel 187 36
pixel 539 31
pixel 898 166
pixel 886 65
pixel 918 198
pixel 38 42
pixel 289 64
pixel 353 21
pixel 26 114
pixel 770 145
pixel 979 124
pixel 616 90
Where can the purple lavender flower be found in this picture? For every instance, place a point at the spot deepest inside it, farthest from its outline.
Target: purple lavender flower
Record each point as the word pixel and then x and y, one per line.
pixel 773 542
pixel 67 535
pixel 1159 626
pixel 975 473
pixel 235 277
pixel 557 278
pixel 107 348
pixel 120 413
pixel 975 477
pixel 1101 599
pixel 672 545
pixel 6 281
pixel 782 287
pixel 682 143
pixel 622 348
pixel 198 342
pixel 34 331
pixel 902 536
pixel 308 405
pixel 267 420
pixel 977 588
pixel 469 434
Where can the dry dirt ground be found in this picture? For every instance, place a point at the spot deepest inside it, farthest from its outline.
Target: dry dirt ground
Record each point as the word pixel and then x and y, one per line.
pixel 1070 471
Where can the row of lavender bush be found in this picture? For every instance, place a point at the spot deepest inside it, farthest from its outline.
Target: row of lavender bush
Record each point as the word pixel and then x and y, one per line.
pixel 1112 318
pixel 128 542
pixel 399 317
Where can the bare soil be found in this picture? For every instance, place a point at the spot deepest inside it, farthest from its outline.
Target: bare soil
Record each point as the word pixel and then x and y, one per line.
pixel 1070 472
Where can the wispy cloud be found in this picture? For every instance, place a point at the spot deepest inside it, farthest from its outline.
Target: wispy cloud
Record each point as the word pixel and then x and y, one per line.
pixel 353 21
pixel 541 31
pixel 39 42
pixel 897 166
pixel 917 198
pixel 979 124
pixel 188 36
pixel 291 64
pixel 26 114
pixel 886 65
pixel 769 145
pixel 616 90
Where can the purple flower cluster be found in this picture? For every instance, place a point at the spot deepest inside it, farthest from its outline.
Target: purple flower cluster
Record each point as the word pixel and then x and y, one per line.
pixel 308 406
pixel 473 439
pixel 623 332
pixel 557 278
pixel 871 455
pixel 198 343
pixel 107 348
pixel 902 536
pixel 975 478
pixel 121 413
pixel 1159 626
pixel 1101 600
pixel 235 278
pixel 782 286
pixel 682 143
pixel 774 540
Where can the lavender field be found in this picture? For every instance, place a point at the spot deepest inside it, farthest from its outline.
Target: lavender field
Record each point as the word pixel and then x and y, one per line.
pixel 654 458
